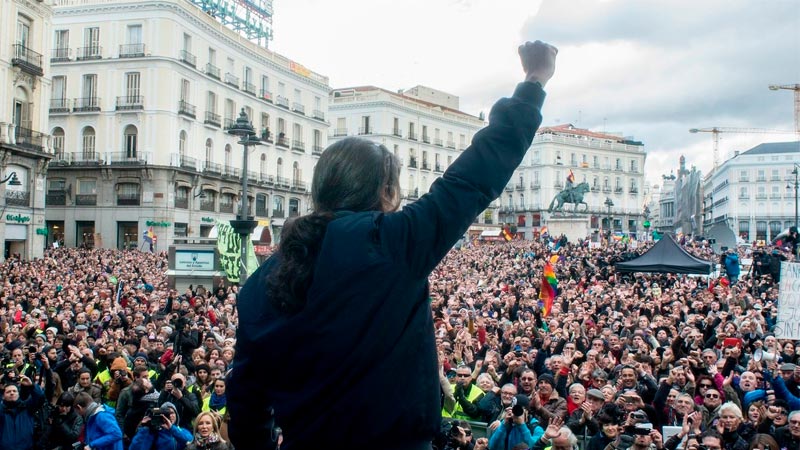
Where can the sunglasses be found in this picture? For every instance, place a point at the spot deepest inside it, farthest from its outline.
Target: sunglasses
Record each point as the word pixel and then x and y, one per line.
pixel 712 396
pixel 703 385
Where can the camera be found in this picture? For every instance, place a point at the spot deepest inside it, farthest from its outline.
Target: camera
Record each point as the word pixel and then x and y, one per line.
pixel 177 383
pixel 642 429
pixel 156 419
pixel 516 409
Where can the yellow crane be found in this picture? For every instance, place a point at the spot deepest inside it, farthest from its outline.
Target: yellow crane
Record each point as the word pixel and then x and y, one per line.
pixel 796 89
pixel 715 131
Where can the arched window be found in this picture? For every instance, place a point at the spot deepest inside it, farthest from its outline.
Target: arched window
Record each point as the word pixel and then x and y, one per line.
pixel 227 156
pixel 209 150
pixel 87 148
pixel 279 169
pixel 296 176
pixel 58 142
pixel 263 165
pixel 182 144
pixel 131 134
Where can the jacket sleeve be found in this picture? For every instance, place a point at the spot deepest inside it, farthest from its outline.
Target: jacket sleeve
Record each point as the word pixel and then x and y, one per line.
pixel 495 442
pixel 781 391
pixel 182 435
pixel 425 230
pixel 111 432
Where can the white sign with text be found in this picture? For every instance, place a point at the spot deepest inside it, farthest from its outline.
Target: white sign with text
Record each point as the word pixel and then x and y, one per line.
pixel 788 324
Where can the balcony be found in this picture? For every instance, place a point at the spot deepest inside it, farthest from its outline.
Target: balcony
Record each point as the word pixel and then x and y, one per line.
pixel 86 200
pixel 228 123
pixel 299 146
pixel 130 103
pixel 426 139
pixel 250 88
pixel 618 190
pixel 744 196
pixel 30 139
pixel 299 108
pixel 27 60
pixel 186 109
pixel 775 196
pixel 86 104
pixel 397 132
pixel 744 180
pixel 278 213
pixel 451 144
pixel 438 142
pixel 412 193
pixel 261 210
pixel 226 208
pixel 364 130
pixel 426 165
pixel 87 158
pixel 595 189
pixel 127 158
pixel 182 202
pixel 212 168
pixel 282 101
pixel 131 51
pixel 607 189
pixel 188 58
pixel 437 168
pixel 18 198
pixel 536 186
pixel 266 136
pixel 266 95
pixel 317 150
pixel 282 182
pixel 187 162
pixel 283 141
pixel 318 115
pixel 89 53
pixel 761 179
pixel 633 190
pixel 207 205
pixel 128 199
pixel 212 71
pixel 520 187
pixel 60 54
pixel 59 106
pixel 559 185
pixel 298 185
pixel 213 119
pixel 339 132
pixel 266 179
pixel 412 162
pixel 412 135
pixel 761 196
pixel 232 80
pixel 230 172
pixel 55 198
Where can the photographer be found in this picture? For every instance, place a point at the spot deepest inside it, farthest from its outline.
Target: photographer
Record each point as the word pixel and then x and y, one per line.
pixel 159 429
pixel 65 425
pixel 17 416
pixel 517 428
pixel 637 434
pixel 185 402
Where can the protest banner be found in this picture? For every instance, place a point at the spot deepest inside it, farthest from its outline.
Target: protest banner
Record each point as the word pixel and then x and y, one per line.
pixel 788 324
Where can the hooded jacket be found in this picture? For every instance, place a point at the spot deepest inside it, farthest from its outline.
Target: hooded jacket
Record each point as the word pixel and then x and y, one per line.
pixel 102 431
pixel 175 438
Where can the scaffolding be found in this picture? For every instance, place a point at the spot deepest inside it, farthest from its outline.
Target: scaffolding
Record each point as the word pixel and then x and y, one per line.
pixel 250 18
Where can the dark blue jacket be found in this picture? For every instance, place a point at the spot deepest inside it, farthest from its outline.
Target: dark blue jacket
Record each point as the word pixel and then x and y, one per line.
pixel 17 421
pixel 358 365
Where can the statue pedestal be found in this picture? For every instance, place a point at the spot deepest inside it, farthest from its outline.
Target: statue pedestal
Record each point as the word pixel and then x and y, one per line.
pixel 574 227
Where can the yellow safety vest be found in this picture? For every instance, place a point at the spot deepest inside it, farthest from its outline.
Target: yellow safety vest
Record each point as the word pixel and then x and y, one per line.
pixel 457 413
pixel 207 406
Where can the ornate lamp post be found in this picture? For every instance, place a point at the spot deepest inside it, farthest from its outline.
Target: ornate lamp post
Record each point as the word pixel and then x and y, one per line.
pixel 609 204
pixel 244 224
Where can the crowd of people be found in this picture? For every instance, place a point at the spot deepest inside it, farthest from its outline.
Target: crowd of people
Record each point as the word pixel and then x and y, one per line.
pixel 98 350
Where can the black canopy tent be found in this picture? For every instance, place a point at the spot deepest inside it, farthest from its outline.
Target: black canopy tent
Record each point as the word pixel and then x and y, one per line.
pixel 666 256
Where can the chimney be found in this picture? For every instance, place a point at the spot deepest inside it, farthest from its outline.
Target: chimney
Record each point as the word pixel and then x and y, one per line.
pixel 736 153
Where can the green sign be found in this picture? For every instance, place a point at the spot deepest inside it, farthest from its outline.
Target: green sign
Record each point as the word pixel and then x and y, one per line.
pixel 207 219
pixel 229 246
pixel 17 218
pixel 41 231
pixel 153 223
pixel 646 224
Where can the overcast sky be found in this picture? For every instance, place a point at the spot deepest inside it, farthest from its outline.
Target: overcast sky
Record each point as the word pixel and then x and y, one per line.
pixel 648 69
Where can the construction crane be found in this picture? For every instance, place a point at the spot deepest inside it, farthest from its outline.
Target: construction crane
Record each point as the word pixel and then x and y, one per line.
pixel 717 130
pixel 796 89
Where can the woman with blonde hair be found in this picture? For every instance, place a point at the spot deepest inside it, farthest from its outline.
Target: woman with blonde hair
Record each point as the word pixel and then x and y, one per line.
pixel 207 433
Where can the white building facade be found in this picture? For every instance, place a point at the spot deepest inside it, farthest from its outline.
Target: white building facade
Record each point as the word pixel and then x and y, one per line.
pixel 422 126
pixel 753 192
pixel 143 94
pixel 612 166
pixel 25 39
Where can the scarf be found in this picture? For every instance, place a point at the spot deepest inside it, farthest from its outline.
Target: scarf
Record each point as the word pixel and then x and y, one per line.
pixel 206 441
pixel 217 402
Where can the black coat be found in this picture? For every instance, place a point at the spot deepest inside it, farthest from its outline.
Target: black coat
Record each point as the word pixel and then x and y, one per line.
pixel 359 361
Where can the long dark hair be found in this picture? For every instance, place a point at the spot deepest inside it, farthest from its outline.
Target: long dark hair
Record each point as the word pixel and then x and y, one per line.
pixel 353 174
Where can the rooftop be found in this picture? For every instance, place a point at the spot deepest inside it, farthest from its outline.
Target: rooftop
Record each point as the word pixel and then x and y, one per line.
pixel 773 147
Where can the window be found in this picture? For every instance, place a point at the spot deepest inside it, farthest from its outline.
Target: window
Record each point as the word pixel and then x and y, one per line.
pixel 185 91
pixel 264 84
pixel 59 91
pixel 297 132
pixel 132 82
pixel 182 144
pixel 130 141
pixel 134 34
pixel 90 87
pixel 743 192
pixel 279 168
pixel 227 156
pixel 88 144
pixel 247 75
pixel 365 126
pixel 294 207
pixel 618 164
pixel 298 96
pixel 91 40
pixel 211 102
pixel 58 142
pixel 61 43
pixel 187 43
pixel 297 176
pixel 277 204
pixel 87 187
pixel 263 164
pixel 212 56
pixel 209 150
pixel 634 166
pixel 23 31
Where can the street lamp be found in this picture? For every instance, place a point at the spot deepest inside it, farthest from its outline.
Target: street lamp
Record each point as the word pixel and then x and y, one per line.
pixel 244 224
pixel 795 172
pixel 609 204
pixel 11 179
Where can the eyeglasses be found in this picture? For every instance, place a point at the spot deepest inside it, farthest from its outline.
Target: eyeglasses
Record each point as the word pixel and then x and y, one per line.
pixel 794 422
pixel 506 393
pixel 712 395
pixel 704 385
pixel 463 374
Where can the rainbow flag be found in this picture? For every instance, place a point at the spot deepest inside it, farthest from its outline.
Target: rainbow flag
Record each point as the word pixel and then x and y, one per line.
pixel 548 290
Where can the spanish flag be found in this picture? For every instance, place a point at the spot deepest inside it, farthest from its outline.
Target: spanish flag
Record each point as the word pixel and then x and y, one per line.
pixel 507 234
pixel 571 176
pixel 548 290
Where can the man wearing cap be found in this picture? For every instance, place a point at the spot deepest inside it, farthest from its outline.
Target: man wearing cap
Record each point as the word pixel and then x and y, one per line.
pixel 583 421
pixel 545 402
pixel 788 372
pixel 140 362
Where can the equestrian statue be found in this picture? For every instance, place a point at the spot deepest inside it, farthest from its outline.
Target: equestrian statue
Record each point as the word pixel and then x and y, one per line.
pixel 572 195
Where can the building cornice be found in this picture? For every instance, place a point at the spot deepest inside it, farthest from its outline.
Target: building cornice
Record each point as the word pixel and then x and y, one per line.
pixel 395 107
